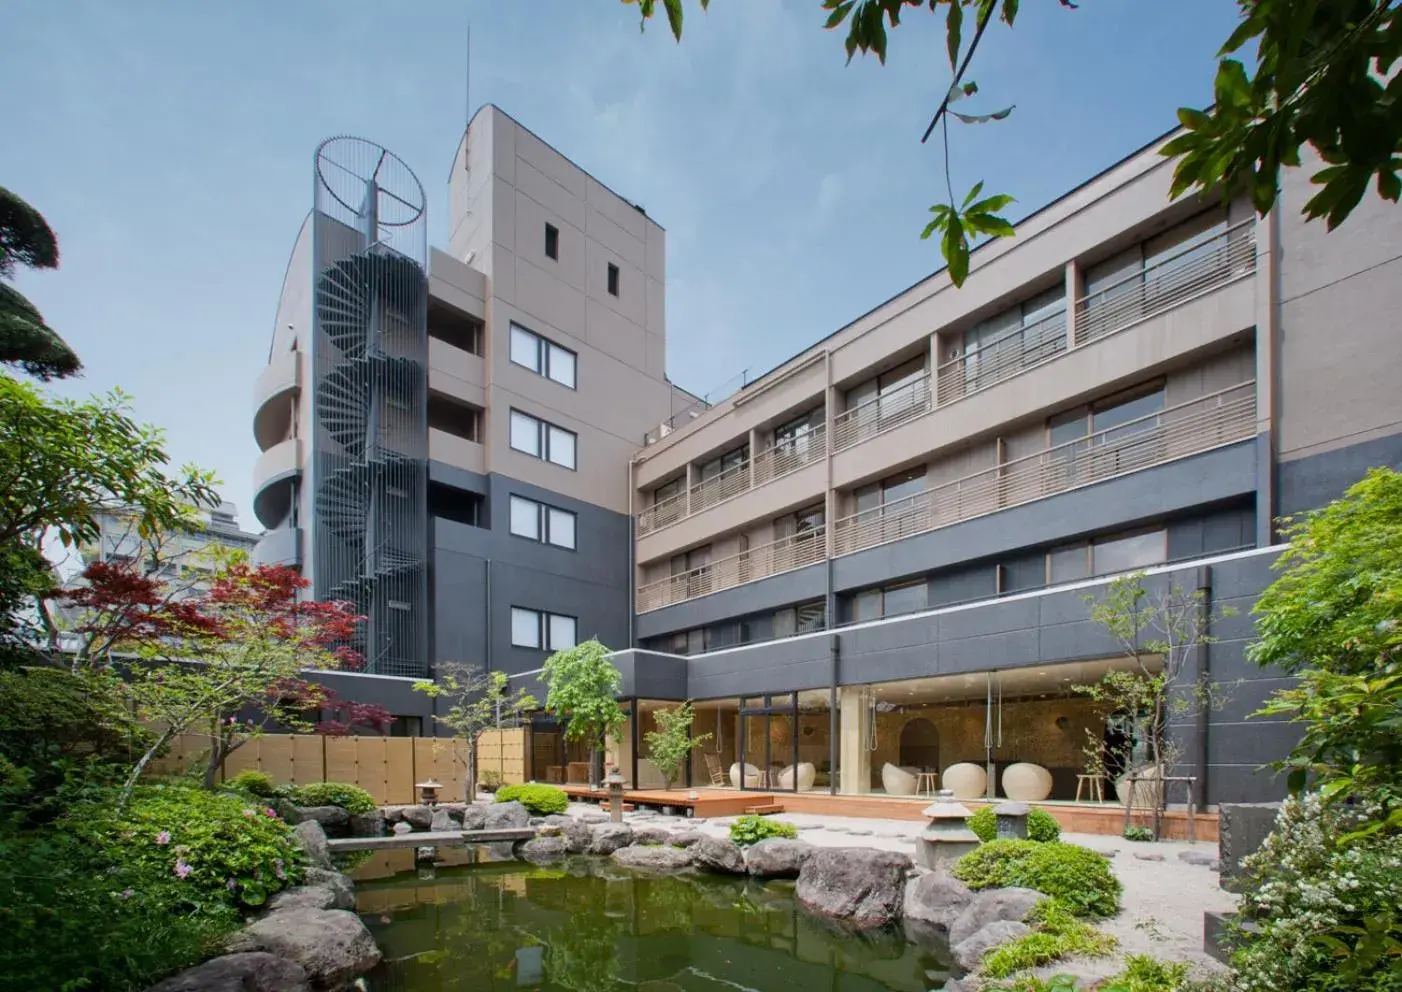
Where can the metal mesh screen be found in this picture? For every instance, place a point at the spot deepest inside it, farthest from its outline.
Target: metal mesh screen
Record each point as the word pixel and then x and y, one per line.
pixel 370 415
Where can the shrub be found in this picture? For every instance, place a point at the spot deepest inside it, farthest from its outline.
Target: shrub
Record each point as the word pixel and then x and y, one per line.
pixel 1077 876
pixel 1146 974
pixel 540 800
pixel 253 783
pixel 221 849
pixel 351 798
pixel 1138 833
pixel 1041 825
pixel 490 780
pixel 753 829
pixel 1056 934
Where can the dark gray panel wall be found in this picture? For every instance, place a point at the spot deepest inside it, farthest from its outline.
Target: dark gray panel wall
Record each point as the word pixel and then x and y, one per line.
pixel 753 597
pixel 1309 482
pixel 803 662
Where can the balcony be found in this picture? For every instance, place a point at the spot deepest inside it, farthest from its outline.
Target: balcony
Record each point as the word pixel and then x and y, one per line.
pixel 1002 358
pixel 881 413
pixel 1211 421
pixel 273 398
pixel 775 462
pixel 783 555
pixel 459 452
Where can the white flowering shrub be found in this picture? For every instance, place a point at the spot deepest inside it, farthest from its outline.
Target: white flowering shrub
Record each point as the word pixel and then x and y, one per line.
pixel 1329 912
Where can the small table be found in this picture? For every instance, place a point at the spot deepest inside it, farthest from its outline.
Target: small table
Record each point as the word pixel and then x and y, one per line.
pixel 555 775
pixel 927 783
pixel 1096 784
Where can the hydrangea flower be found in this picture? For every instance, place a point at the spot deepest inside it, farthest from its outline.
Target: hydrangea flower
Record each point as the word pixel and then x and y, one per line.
pixel 126 893
pixel 163 838
pixel 182 869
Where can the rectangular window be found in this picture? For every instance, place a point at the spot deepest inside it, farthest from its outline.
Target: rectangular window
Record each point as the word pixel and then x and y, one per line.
pixel 542 631
pixel 613 279
pixel 535 437
pixel 1068 564
pixel 897 600
pixel 727 464
pixel 542 356
pixel 1125 554
pixel 552 242
pixel 452 326
pixel 539 522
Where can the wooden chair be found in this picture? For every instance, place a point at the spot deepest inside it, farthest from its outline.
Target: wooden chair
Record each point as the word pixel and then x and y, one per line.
pixel 714 770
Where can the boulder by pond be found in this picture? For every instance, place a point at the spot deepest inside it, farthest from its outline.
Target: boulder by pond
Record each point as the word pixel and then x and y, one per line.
pixel 332 945
pixel 443 821
pixel 609 837
pixel 717 855
pixel 992 906
pixel 541 850
pixel 578 836
pixel 371 824
pixel 937 898
pixel 653 857
pixel 418 817
pixel 858 886
pixel 777 857
pixel 250 971
pixel 313 841
pixel 331 818
pixel 340 885
pixel 686 838
pixel 651 834
pixel 970 951
pixel 303 897
pixel 505 816
pixel 474 815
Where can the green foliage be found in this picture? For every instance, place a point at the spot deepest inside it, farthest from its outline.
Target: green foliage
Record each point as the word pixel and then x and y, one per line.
pixel 253 783
pixel 583 690
pixel 222 849
pixel 752 829
pixel 540 800
pixel 1056 934
pixel 1138 834
pixel 1143 973
pixel 1076 876
pixel 1041 825
pixel 672 742
pixel 478 700
pixel 25 340
pixel 351 798
pixel 1031 983
pixel 490 779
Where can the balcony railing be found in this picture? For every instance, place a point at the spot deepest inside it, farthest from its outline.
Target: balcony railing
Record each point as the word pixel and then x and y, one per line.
pixel 1168 282
pixel 783 555
pixel 1001 358
pixel 881 413
pixel 1176 432
pixel 774 462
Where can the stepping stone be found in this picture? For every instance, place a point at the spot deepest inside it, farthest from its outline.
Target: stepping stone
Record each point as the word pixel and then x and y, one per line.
pixel 1148 857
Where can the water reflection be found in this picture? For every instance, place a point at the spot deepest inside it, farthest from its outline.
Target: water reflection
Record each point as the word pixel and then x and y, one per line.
pixel 590 926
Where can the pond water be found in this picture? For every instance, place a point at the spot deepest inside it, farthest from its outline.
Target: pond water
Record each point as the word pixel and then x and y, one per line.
pixel 588 925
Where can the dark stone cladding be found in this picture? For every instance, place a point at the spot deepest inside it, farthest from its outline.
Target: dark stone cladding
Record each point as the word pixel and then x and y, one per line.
pixel 1314 480
pixel 477 574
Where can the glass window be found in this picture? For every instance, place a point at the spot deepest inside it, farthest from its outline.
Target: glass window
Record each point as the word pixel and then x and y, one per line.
pixel 812 616
pixel 1068 564
pixel 667 490
pixel 562 632
pixel 560 364
pixel 525 348
pixel 560 527
pixel 903 599
pixel 1118 410
pixel 613 279
pixel 866 605
pixel 525 628
pixel 552 241
pixel 903 485
pixel 1124 554
pixel 561 446
pixel 728 462
pixel 525 518
pixel 525 433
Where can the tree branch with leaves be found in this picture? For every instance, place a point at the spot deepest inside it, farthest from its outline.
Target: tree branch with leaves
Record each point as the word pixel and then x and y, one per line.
pixel 583 693
pixel 478 701
pixel 671 744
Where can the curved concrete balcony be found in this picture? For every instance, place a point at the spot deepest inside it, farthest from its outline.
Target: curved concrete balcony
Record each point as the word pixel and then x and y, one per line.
pixel 274 476
pixel 279 547
pixel 274 398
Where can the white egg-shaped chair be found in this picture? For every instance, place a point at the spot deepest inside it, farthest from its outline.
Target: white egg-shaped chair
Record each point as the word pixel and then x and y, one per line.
pixel 1026 783
pixel 966 780
pixel 898 781
pixel 751 776
pixel 807 774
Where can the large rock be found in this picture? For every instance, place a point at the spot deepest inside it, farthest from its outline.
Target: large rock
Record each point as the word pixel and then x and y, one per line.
pixel 970 951
pixel 505 816
pixel 653 857
pixel 330 817
pixel 540 850
pixel 686 838
pixel 393 814
pixel 341 886
pixel 715 854
pixel 313 841
pixel 609 837
pixel 250 971
pixel 578 836
pixel 418 817
pixel 332 946
pixel 443 821
pixel 1242 829
pixel 303 897
pixel 401 828
pixel 371 824
pixel 859 886
pixel 992 906
pixel 474 815
pixel 651 834
pixel 777 857
pixel 937 898
pixel 592 816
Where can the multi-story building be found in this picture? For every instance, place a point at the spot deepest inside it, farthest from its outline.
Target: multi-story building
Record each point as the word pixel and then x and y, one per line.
pixel 874 560
pixel 445 435
pixel 180 558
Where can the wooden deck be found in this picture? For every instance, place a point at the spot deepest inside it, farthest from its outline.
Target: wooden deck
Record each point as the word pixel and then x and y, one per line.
pixel 1082 818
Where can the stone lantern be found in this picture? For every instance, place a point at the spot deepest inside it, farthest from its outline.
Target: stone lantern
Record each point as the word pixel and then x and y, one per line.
pixel 948 837
pixel 614 781
pixel 428 791
pixel 1011 820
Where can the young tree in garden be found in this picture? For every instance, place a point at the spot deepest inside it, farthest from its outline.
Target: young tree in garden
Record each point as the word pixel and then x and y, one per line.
pixel 194 665
pixel 477 701
pixel 342 717
pixel 1161 629
pixel 1323 81
pixel 25 340
pixel 672 742
pixel 583 691
pixel 1333 619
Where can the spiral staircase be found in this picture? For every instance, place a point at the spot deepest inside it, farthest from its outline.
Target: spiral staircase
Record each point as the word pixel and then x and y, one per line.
pixel 371 438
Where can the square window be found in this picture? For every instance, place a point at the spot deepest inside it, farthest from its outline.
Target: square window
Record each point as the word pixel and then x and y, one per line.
pixel 613 279
pixel 561 527
pixel 525 628
pixel 525 433
pixel 562 632
pixel 525 348
pixel 561 446
pixel 552 242
pixel 525 518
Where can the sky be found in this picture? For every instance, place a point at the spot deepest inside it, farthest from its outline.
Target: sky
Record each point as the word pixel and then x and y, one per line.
pixel 170 147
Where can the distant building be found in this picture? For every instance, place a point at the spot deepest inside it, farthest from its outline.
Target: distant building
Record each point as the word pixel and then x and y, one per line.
pixel 181 557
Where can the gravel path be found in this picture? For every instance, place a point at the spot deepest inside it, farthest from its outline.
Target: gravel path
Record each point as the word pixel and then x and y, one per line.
pixel 1162 906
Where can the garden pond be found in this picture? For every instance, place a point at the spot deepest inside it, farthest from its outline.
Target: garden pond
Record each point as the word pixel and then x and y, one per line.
pixel 589 925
